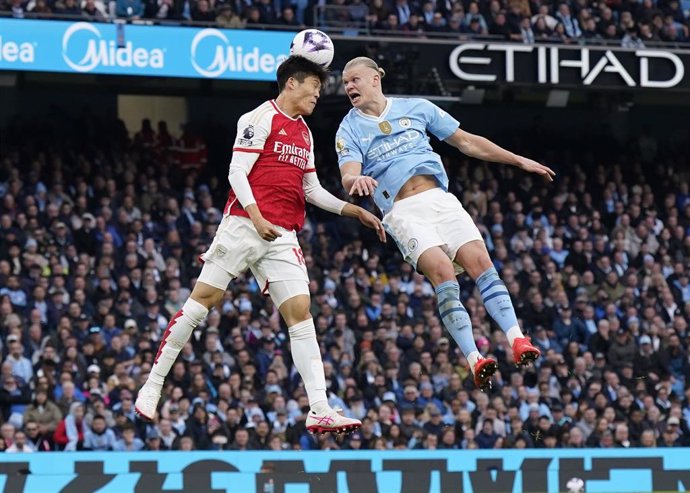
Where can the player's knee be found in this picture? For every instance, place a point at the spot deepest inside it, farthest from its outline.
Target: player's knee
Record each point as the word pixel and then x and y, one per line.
pixel 206 295
pixel 297 315
pixel 474 258
pixel 295 311
pixel 477 266
pixel 441 273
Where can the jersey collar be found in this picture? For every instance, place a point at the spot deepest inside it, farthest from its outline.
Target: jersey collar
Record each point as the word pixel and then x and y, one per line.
pixel 275 105
pixel 379 118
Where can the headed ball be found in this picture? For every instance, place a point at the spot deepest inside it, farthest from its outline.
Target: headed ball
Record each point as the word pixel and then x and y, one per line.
pixel 313 45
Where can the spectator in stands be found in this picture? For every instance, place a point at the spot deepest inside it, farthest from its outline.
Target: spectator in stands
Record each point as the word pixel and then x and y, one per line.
pixel 128 9
pixel 227 18
pixel 596 377
pixel 37 437
pixel 20 444
pixel 41 7
pixel 44 412
pixel 202 12
pixel 129 441
pixel 69 434
pixel 99 436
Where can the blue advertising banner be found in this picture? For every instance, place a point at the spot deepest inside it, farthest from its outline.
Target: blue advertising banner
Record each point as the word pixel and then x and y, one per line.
pixel 83 47
pixel 423 471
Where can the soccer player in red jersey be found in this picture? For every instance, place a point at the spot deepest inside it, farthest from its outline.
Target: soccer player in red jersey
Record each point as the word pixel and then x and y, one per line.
pixel 271 173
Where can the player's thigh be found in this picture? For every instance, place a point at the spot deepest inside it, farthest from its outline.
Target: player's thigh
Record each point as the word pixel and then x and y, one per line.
pixel 412 232
pixel 464 243
pixel 235 247
pixel 282 261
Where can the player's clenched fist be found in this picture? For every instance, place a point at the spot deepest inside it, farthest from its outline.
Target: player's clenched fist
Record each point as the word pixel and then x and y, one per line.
pixel 363 185
pixel 266 230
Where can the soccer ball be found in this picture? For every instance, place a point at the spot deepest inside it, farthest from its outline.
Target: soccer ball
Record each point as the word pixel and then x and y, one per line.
pixel 314 45
pixel 575 485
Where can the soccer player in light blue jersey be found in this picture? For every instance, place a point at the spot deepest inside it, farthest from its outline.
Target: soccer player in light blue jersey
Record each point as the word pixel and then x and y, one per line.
pixel 384 151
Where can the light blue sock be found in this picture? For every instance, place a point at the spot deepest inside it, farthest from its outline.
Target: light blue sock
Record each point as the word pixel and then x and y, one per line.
pixel 454 316
pixel 497 300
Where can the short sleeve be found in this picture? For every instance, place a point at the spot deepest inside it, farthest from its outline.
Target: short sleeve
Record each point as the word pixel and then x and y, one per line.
pixel 346 145
pixel 252 131
pixel 438 121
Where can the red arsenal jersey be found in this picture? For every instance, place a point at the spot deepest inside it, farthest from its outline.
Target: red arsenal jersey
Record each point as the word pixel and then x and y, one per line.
pixel 286 153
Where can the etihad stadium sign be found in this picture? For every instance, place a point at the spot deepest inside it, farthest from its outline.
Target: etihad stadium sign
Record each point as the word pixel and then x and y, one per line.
pixel 557 65
pixel 489 63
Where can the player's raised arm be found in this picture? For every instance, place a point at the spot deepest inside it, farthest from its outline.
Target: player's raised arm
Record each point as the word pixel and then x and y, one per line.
pixel 323 199
pixel 482 148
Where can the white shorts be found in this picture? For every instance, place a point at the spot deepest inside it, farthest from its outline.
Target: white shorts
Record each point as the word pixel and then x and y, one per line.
pixel 238 247
pixel 428 219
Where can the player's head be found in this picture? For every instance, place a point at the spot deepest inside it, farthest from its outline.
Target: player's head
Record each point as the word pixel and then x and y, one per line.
pixel 362 79
pixel 300 80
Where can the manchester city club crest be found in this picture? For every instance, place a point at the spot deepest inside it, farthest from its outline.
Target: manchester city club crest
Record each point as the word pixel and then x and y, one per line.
pixel 404 122
pixel 385 127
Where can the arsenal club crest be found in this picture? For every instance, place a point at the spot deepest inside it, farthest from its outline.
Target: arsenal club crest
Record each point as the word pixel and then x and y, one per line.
pixel 305 136
pixel 385 127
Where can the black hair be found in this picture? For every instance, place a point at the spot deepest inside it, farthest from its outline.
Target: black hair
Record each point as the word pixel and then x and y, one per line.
pixel 300 68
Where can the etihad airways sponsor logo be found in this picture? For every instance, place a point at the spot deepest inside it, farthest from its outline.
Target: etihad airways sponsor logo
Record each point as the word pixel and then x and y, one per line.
pixel 394 145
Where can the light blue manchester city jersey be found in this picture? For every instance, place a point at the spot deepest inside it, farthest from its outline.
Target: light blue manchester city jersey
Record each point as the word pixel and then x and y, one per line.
pixel 394 147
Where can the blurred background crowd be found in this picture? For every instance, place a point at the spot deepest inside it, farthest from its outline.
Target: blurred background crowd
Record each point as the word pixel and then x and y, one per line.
pixel 631 24
pixel 99 241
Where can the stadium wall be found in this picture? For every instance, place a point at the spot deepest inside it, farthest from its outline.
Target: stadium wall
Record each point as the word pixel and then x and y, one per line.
pixel 485 471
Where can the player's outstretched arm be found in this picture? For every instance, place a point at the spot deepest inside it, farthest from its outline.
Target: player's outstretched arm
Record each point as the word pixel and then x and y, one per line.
pixel 481 148
pixel 323 199
pixel 354 182
pixel 366 218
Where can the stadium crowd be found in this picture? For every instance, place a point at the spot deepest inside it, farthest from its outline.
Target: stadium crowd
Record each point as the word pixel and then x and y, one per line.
pixel 626 23
pixel 99 240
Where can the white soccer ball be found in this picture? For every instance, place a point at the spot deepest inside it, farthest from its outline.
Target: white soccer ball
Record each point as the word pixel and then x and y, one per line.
pixel 314 45
pixel 575 485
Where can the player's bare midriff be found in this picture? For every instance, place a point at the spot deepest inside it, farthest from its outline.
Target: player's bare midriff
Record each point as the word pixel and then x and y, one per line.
pixel 416 184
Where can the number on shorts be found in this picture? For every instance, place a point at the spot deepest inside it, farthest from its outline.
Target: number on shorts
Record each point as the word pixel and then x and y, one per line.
pixel 299 255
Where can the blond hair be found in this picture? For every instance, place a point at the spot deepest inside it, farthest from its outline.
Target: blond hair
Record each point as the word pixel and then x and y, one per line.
pixel 367 62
